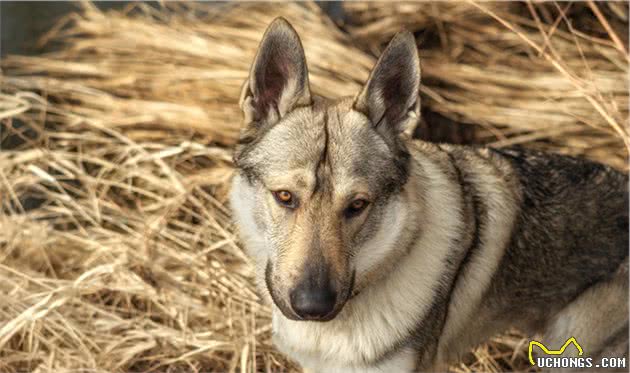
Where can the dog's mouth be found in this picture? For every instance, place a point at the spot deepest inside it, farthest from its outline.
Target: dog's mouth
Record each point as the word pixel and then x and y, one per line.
pixel 286 309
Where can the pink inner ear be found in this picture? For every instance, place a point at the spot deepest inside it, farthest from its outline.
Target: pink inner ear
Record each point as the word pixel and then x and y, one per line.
pixel 272 82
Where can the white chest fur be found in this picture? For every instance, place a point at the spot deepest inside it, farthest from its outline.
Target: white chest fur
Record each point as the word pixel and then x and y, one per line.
pixel 317 350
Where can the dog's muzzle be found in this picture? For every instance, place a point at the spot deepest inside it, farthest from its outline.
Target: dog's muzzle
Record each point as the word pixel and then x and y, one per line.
pixel 314 298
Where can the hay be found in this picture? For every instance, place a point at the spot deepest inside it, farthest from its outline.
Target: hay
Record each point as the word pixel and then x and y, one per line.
pixel 116 249
pixel 179 68
pixel 521 80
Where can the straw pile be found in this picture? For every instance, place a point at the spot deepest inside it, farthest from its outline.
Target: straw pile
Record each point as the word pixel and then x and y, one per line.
pixel 116 250
pixel 522 73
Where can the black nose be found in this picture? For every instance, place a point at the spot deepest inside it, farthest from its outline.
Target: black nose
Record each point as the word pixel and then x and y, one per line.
pixel 312 303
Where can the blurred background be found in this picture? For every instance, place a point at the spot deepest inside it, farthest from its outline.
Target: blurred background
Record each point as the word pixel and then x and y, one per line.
pixel 22 23
pixel 117 123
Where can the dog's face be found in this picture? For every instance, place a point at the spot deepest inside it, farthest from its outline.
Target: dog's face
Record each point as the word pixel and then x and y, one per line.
pixel 319 182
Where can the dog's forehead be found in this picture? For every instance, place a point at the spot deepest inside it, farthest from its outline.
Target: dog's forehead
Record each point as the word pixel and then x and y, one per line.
pixel 354 148
pixel 294 143
pixel 327 144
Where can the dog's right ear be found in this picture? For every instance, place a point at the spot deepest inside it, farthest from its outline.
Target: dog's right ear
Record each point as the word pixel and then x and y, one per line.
pixel 278 79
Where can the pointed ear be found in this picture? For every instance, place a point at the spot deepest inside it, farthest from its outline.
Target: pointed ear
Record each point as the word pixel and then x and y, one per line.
pixel 278 79
pixel 390 98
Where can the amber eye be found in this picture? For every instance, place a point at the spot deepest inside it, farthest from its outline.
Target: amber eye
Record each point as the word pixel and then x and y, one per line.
pixel 356 207
pixel 358 204
pixel 284 198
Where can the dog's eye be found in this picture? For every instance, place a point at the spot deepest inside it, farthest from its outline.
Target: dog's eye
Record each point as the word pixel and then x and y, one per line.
pixel 358 204
pixel 356 207
pixel 284 198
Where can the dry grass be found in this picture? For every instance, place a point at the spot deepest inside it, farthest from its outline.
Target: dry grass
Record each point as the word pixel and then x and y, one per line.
pixel 524 80
pixel 177 69
pixel 116 248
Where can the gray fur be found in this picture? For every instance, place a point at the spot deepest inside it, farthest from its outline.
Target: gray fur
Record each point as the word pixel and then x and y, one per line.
pixel 459 242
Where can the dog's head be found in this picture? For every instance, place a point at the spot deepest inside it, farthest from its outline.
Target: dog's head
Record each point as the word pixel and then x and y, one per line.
pixel 317 194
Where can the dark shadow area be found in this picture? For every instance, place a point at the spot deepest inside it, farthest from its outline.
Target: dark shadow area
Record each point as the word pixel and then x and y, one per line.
pixel 22 23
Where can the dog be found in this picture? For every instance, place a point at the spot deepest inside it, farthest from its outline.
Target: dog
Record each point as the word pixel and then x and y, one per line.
pixel 378 252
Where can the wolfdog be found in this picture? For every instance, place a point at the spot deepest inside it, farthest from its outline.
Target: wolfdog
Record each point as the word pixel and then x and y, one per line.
pixel 378 252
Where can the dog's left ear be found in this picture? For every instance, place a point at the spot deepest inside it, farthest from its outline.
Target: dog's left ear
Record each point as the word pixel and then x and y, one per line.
pixel 390 98
pixel 278 80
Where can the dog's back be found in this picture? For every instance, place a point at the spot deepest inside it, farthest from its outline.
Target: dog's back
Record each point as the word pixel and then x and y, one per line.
pixel 564 270
pixel 571 230
pixel 566 266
